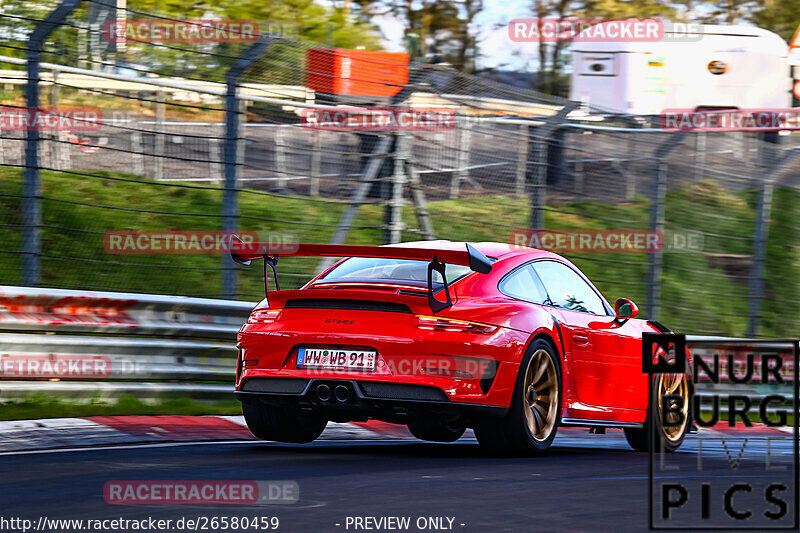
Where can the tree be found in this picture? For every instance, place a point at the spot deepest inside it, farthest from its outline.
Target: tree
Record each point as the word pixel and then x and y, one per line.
pixel 467 43
pixel 551 54
pixel 780 16
pixel 729 12
pixel 431 28
pixel 309 20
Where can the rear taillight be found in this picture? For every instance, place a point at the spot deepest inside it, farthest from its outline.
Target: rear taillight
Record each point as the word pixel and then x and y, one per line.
pixel 450 324
pixel 263 316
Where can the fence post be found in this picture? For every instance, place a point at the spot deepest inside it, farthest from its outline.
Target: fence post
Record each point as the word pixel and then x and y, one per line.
pixel 657 212
pixel 418 196
pixel 539 179
pixel 394 203
pixel 215 168
pixel 31 188
pixel 316 157
pixel 344 157
pixel 58 153
pixel 756 281
pixel 578 184
pixel 241 149
pixel 230 208
pixel 760 236
pixel 522 160
pixel 280 158
pixel 137 148
pixel 159 141
pixel 699 155
pixel 539 185
pixel 462 171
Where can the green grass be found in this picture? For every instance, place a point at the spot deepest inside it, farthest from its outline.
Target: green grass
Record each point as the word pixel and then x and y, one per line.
pixel 41 406
pixel 700 293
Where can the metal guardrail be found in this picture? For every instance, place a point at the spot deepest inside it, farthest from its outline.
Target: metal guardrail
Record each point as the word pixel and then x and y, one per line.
pixel 58 310
pixel 139 344
pixel 290 96
pixel 102 335
pixel 80 78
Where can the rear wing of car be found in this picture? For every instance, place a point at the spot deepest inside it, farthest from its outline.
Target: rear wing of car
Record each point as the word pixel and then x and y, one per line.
pixel 244 253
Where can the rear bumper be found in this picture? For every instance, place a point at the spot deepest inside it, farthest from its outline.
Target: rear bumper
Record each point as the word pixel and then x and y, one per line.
pixel 464 368
pixel 364 399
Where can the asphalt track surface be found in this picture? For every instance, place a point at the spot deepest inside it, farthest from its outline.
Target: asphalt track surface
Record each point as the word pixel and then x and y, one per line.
pixel 584 483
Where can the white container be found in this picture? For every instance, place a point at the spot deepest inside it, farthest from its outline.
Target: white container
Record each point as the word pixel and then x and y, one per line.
pixel 709 67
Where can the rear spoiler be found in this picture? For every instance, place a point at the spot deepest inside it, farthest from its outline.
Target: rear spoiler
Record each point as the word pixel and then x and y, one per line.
pixel 244 253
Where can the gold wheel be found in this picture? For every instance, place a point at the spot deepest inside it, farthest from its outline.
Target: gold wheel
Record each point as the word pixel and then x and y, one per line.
pixel 674 385
pixel 540 393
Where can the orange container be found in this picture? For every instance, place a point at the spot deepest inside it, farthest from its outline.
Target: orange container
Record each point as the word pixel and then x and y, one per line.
pixel 356 72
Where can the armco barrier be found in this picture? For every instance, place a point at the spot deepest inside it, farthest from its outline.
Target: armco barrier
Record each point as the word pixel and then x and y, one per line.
pixel 139 344
pixel 57 310
pixel 87 344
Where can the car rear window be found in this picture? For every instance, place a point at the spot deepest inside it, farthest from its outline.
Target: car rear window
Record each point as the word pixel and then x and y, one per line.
pixel 383 269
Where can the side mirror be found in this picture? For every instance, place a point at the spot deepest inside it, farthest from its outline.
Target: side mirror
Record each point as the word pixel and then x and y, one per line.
pixel 625 309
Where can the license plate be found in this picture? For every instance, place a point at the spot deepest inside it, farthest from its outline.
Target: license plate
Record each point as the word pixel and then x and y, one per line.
pixel 337 359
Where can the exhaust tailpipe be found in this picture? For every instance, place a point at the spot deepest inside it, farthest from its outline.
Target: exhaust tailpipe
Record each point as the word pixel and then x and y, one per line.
pixel 342 393
pixel 323 392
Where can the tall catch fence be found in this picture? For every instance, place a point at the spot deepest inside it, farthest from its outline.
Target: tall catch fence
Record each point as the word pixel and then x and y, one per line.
pixel 215 136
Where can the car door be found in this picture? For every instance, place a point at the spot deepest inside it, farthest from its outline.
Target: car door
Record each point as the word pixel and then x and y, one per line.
pixel 606 356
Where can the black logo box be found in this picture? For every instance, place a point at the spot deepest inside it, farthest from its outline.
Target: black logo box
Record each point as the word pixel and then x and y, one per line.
pixel 662 366
pixel 678 366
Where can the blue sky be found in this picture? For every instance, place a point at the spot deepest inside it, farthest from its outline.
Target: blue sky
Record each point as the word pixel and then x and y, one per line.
pixel 495 47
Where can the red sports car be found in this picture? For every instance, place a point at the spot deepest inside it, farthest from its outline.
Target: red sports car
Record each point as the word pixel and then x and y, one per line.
pixel 442 336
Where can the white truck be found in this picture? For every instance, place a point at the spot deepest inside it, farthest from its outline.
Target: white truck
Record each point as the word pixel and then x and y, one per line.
pixel 704 67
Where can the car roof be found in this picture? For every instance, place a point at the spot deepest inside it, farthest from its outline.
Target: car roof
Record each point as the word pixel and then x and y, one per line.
pixel 497 250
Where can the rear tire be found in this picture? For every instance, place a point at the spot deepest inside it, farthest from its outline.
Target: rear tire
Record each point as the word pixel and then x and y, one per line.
pixel 282 423
pixel 535 412
pixel 670 438
pixel 435 429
